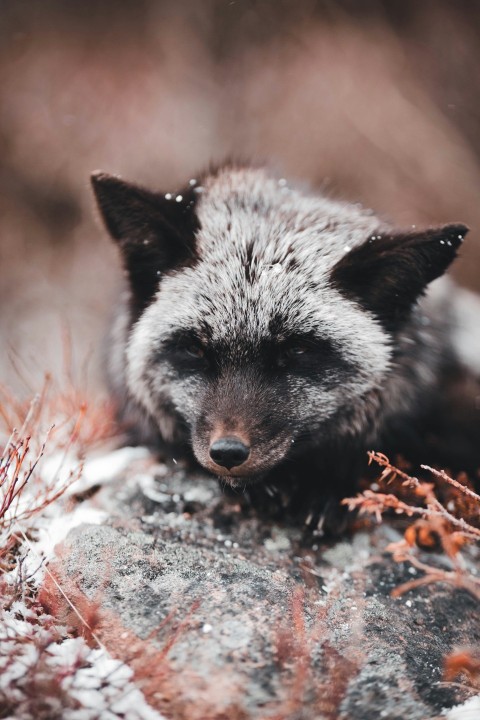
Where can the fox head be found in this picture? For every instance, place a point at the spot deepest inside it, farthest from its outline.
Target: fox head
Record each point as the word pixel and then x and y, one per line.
pixel 262 317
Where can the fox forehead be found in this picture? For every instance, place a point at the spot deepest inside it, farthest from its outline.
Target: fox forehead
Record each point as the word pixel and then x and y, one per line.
pixel 237 311
pixel 264 254
pixel 262 220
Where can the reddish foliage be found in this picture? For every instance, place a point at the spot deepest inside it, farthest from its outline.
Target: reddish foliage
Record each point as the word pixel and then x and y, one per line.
pixel 53 423
pixel 49 425
pixel 434 526
pixel 297 645
pixel 463 662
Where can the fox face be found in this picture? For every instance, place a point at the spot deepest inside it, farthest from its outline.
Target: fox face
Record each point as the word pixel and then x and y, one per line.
pixel 263 321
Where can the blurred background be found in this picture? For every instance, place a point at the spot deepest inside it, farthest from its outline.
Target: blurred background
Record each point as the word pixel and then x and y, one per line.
pixel 375 101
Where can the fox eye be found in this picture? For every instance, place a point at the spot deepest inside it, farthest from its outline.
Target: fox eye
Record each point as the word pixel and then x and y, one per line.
pixel 194 351
pixel 185 352
pixel 287 355
pixel 297 350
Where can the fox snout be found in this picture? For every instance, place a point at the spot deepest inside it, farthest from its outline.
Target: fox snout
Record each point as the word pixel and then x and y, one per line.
pixel 224 449
pixel 229 452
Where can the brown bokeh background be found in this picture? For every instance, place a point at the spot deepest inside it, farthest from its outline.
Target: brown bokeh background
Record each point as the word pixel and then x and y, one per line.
pixel 376 101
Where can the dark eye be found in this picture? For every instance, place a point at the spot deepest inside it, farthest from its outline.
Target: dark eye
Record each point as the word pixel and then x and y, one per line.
pixel 289 354
pixel 194 350
pixel 190 356
pixel 184 352
pixel 297 350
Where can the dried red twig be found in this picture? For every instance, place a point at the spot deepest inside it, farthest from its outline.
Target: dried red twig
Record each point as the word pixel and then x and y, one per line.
pixel 24 491
pixel 57 419
pixel 457 485
pixel 55 423
pixel 434 525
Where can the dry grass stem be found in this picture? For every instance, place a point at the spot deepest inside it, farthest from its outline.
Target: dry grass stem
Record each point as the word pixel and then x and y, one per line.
pixel 434 525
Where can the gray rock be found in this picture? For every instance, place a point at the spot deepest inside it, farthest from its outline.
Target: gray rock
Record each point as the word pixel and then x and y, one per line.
pixel 247 623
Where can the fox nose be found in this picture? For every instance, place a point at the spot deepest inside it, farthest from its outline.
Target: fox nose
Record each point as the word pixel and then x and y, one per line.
pixel 229 452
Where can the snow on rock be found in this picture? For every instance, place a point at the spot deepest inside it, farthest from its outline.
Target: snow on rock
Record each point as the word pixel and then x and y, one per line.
pixel 96 471
pixel 369 654
pixel 103 684
pixel 43 672
pixel 469 710
pixel 51 532
pixel 242 607
pixel 81 683
pixel 53 524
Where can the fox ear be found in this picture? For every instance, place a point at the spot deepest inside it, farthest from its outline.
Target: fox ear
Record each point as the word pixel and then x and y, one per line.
pixel 389 272
pixel 155 232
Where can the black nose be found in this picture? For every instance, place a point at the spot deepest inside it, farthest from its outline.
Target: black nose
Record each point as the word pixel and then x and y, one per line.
pixel 229 452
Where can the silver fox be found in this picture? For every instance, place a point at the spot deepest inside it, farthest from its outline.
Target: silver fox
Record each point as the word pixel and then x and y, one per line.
pixel 269 329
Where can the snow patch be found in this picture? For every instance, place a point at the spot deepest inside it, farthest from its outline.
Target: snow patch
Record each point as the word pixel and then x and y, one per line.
pixel 97 471
pixel 52 533
pixel 97 684
pixel 469 710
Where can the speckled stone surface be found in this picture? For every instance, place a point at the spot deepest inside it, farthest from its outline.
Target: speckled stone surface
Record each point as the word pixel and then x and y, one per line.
pixel 246 622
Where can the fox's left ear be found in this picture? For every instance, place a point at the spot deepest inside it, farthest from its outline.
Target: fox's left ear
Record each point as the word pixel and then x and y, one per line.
pixel 155 232
pixel 389 272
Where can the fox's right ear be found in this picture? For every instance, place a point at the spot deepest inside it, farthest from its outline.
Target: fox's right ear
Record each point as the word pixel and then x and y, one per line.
pixel 390 271
pixel 155 232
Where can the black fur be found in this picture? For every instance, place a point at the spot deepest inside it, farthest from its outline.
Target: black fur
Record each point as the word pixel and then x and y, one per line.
pixel 155 232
